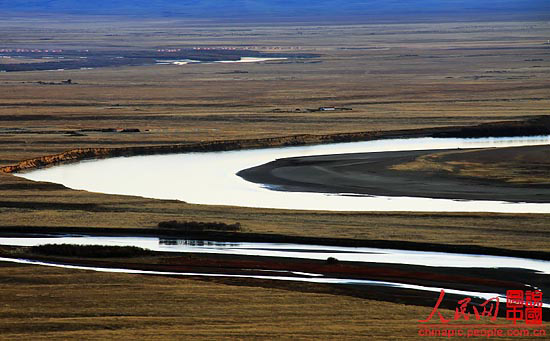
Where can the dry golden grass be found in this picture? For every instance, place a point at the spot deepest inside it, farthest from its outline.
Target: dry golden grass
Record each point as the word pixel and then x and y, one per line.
pixel 520 165
pixel 409 79
pixel 114 306
pixel 393 76
pixel 43 303
pixel 55 206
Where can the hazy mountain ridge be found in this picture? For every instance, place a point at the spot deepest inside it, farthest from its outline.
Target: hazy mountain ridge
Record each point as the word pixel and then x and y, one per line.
pixel 225 8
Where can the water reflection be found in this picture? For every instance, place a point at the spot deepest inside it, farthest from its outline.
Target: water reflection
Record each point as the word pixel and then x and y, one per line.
pixel 190 242
pixel 288 250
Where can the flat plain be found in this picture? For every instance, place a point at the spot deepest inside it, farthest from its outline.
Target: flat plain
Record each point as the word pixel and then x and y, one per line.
pixel 392 76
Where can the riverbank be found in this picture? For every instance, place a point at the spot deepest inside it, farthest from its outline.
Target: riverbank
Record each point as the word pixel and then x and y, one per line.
pixel 44 303
pixel 230 237
pixel 367 280
pixel 532 126
pixel 396 174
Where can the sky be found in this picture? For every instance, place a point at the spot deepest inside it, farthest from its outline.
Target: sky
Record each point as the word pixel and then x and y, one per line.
pixel 283 8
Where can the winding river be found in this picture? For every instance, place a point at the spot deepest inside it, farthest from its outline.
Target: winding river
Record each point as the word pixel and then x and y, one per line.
pixel 286 250
pixel 210 178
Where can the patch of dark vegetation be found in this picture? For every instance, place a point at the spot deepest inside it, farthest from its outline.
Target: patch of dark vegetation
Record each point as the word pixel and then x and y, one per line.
pixel 90 251
pixel 331 260
pixel 49 206
pixel 531 127
pixel 197 226
pixel 24 118
pixel 232 72
pixel 31 186
pixel 65 82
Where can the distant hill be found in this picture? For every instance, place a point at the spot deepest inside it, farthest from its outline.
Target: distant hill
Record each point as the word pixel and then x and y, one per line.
pixel 284 8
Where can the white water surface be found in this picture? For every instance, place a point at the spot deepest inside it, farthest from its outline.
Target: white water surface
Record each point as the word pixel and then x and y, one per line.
pixel 210 177
pixel 249 60
pixel 176 61
pixel 192 61
pixel 300 251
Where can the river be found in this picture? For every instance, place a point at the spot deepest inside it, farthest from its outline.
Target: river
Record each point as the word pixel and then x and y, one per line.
pixel 286 250
pixel 210 178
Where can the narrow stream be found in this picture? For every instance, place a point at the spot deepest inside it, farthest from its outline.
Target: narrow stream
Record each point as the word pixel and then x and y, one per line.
pixel 355 254
pixel 287 250
pixel 310 278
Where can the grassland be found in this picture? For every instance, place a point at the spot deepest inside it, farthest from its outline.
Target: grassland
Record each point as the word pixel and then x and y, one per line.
pixel 393 76
pixel 120 306
pixel 521 166
pixel 114 306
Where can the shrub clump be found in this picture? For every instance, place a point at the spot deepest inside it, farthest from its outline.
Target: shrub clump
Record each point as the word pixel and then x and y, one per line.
pixel 89 251
pixel 194 226
pixel 332 260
